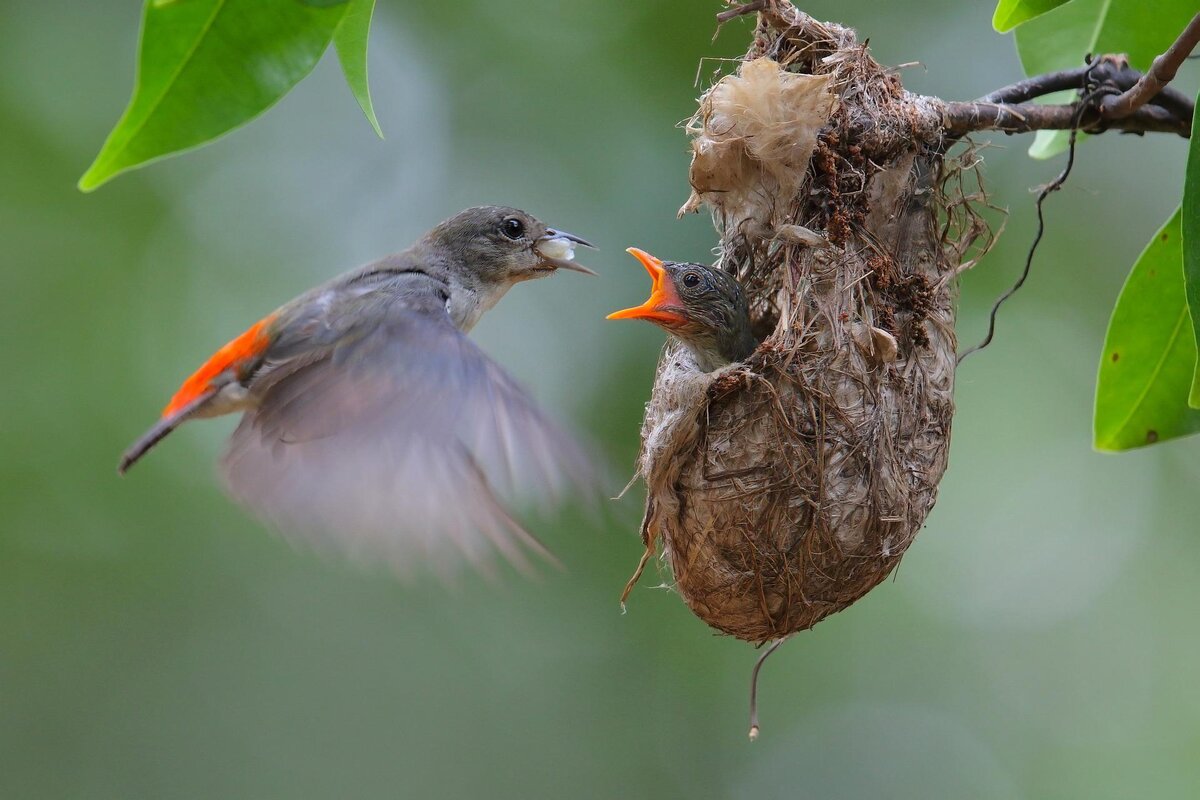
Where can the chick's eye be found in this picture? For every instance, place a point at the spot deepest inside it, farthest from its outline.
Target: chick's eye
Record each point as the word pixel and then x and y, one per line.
pixel 513 228
pixel 691 280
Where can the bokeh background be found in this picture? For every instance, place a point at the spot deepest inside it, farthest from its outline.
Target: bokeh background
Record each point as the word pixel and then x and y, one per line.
pixel 1039 640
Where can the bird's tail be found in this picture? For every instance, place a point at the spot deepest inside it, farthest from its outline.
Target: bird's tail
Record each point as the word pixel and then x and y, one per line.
pixel 160 429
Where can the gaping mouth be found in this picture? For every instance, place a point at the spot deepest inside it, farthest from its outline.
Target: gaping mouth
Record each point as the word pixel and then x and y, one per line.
pixel 663 299
pixel 557 251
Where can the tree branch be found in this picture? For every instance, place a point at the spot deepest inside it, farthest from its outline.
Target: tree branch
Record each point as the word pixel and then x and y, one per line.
pixel 1110 70
pixel 1119 97
pixel 960 119
pixel 1162 71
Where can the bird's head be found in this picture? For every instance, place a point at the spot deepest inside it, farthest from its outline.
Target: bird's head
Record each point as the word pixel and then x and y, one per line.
pixel 495 246
pixel 702 307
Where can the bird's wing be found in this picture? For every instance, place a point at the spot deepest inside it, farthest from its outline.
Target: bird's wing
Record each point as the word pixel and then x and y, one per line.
pixel 403 443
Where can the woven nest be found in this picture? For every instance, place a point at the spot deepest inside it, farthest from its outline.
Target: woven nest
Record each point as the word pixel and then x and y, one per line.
pixel 782 489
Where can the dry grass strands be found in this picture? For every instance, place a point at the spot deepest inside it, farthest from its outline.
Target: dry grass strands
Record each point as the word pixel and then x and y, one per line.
pixel 754 136
pixel 782 489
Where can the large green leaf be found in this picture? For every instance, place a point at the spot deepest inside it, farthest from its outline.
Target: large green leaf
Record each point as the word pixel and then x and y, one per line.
pixel 1011 13
pixel 207 66
pixel 350 40
pixel 1191 242
pixel 1061 38
pixel 1149 353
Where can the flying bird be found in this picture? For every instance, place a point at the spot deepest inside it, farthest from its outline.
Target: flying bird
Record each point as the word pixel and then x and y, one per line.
pixel 372 425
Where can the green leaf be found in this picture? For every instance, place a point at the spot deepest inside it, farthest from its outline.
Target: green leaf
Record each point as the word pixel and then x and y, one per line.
pixel 1149 353
pixel 1062 37
pixel 350 40
pixel 1048 144
pixel 206 67
pixel 1191 243
pixel 1011 13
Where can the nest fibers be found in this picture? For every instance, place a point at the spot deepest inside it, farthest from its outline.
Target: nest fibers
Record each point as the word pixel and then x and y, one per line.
pixel 784 488
pixel 754 135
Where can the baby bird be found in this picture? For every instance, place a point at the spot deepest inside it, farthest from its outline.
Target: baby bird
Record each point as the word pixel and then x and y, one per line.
pixel 702 307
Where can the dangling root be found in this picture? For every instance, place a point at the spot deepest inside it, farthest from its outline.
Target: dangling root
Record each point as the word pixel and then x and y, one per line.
pixel 637 574
pixel 650 540
pixel 754 685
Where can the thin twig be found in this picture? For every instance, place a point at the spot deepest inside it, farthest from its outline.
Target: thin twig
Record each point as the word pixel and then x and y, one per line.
pixel 1045 192
pixel 1038 86
pixel 746 8
pixel 1162 71
pixel 754 685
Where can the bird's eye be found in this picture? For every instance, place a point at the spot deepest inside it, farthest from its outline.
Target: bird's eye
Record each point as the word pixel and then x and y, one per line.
pixel 513 228
pixel 691 280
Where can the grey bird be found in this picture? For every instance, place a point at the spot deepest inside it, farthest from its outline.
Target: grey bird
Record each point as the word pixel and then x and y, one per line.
pixel 372 425
pixel 703 307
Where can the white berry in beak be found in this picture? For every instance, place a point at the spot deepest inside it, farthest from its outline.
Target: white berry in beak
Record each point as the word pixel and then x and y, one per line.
pixel 558 248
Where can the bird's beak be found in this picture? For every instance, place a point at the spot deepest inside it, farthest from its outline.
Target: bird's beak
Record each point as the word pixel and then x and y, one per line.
pixel 557 248
pixel 662 294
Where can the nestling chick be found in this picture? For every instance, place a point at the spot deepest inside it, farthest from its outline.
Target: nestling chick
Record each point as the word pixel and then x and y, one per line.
pixel 704 308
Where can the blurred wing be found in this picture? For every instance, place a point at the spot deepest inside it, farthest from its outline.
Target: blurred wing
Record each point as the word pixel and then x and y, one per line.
pixel 402 445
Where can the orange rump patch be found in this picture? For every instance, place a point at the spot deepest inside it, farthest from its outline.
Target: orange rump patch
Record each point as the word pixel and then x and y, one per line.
pixel 232 356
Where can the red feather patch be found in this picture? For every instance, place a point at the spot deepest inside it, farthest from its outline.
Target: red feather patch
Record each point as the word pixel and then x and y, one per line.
pixel 235 355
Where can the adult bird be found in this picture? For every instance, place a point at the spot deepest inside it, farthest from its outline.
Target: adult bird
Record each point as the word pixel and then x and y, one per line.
pixel 371 423
pixel 704 308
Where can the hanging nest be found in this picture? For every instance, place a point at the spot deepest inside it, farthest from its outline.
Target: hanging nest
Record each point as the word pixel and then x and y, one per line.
pixel 783 488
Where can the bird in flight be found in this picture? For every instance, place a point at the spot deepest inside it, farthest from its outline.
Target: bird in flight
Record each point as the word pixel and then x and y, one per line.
pixel 372 425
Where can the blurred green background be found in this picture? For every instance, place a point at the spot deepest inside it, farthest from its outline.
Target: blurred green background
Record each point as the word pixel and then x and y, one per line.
pixel 1040 639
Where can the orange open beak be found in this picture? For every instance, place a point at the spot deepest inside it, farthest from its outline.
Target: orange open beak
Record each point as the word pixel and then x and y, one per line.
pixel 662 294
